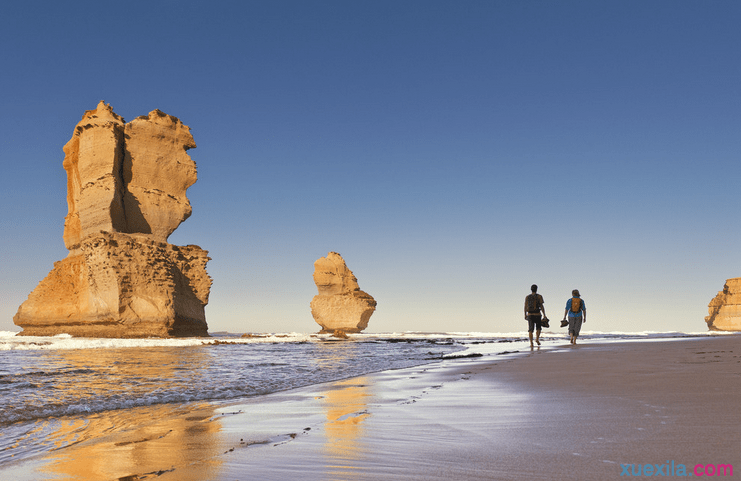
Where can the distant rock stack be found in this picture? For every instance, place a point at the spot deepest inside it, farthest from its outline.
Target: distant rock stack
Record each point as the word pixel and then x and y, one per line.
pixel 725 308
pixel 126 188
pixel 340 305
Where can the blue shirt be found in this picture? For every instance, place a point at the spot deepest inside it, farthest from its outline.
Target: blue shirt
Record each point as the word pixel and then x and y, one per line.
pixel 574 314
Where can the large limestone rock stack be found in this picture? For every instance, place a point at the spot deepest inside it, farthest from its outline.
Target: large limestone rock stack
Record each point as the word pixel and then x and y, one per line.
pixel 340 304
pixel 126 188
pixel 725 308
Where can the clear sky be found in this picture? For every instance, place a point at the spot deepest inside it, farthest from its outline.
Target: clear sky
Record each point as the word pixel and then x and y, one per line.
pixel 454 152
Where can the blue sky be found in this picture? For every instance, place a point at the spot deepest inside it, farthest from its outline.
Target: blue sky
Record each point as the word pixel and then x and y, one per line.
pixel 453 152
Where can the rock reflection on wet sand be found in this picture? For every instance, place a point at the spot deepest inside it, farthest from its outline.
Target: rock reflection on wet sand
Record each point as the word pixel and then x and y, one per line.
pixel 129 444
pixel 346 411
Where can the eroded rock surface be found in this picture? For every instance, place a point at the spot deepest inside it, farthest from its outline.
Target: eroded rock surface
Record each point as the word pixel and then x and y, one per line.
pixel 94 161
pixel 126 188
pixel 340 304
pixel 725 309
pixel 157 172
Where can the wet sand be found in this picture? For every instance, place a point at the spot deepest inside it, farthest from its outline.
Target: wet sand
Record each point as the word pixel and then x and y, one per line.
pixel 562 412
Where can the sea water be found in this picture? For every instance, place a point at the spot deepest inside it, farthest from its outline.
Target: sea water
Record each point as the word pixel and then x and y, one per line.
pixel 61 376
pixel 47 379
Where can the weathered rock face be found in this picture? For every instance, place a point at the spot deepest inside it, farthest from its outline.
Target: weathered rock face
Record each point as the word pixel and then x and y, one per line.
pixel 128 178
pixel 126 188
pixel 94 161
pixel 340 304
pixel 157 171
pixel 725 308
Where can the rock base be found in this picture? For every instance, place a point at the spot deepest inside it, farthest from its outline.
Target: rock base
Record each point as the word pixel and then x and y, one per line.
pixel 348 313
pixel 119 285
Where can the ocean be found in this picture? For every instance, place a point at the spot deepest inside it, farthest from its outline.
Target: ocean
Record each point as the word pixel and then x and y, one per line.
pixel 45 381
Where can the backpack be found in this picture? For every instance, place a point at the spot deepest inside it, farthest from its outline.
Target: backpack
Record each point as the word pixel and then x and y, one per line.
pixel 533 303
pixel 575 304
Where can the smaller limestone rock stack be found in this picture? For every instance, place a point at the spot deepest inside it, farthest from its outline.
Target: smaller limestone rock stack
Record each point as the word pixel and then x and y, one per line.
pixel 340 305
pixel 725 308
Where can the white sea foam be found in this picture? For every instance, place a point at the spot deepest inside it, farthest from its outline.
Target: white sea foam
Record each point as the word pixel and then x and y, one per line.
pixel 11 341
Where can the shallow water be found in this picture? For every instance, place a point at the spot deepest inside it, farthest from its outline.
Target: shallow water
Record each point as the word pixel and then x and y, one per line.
pixel 36 384
pixel 58 391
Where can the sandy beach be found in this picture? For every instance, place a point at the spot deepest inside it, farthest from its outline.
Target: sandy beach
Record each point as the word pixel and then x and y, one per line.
pixel 582 412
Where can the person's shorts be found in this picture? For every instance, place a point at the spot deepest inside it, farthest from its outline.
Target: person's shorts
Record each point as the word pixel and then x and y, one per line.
pixel 534 322
pixel 575 324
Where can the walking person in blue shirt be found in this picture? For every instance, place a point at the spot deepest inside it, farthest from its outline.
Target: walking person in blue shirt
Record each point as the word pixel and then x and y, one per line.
pixel 577 312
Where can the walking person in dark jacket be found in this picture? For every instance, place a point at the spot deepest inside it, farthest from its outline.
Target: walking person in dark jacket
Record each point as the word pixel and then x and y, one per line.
pixel 534 305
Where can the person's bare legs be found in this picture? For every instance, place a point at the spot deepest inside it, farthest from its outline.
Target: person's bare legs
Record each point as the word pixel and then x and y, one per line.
pixel 530 335
pixel 537 338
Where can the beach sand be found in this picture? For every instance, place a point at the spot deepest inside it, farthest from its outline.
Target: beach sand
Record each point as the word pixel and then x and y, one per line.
pixel 562 412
